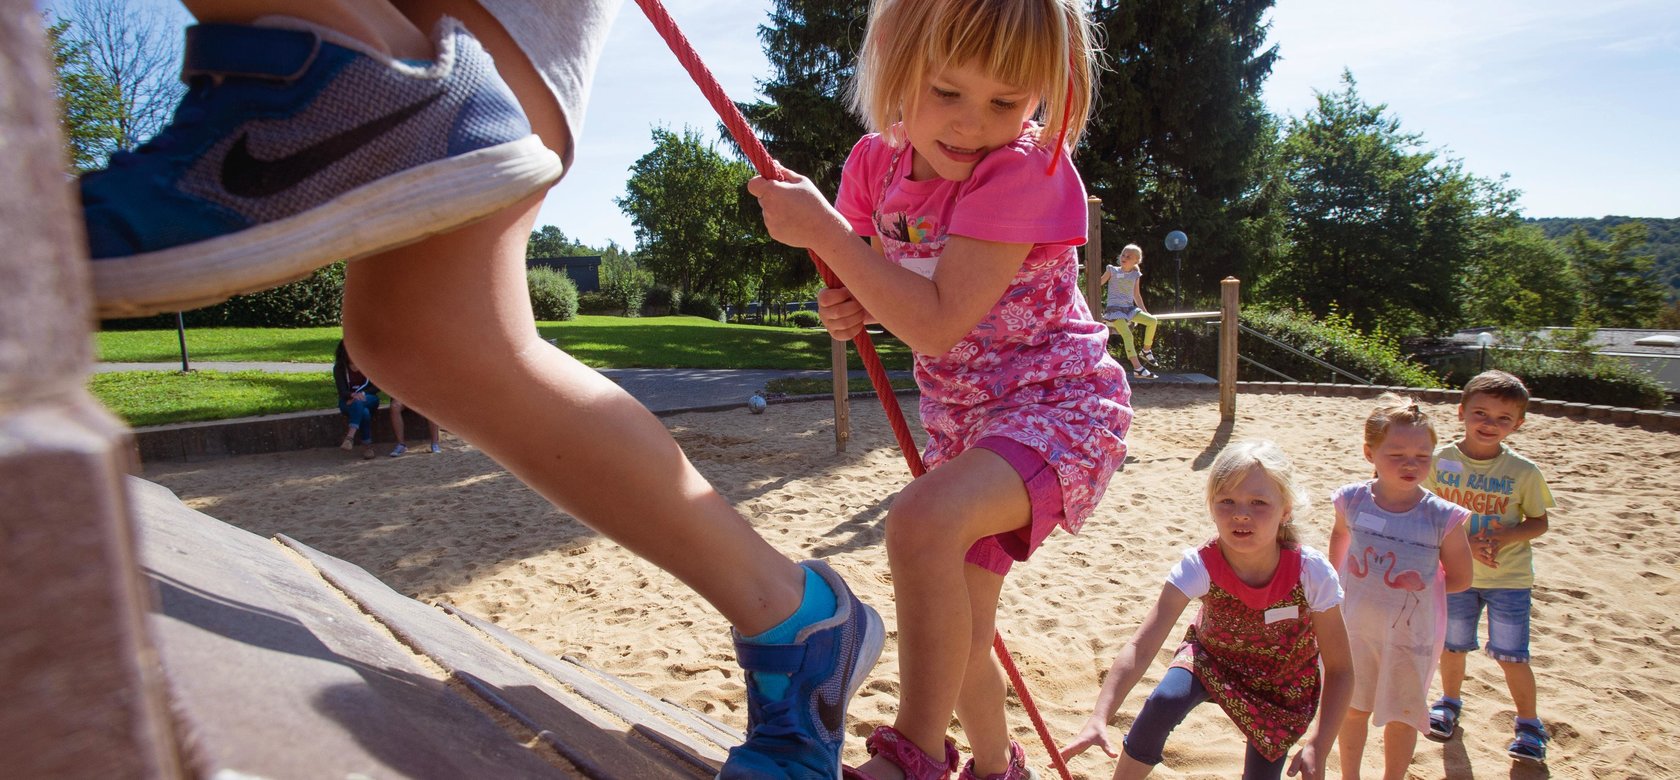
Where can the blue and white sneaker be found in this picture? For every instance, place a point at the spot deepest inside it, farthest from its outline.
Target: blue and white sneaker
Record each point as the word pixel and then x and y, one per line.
pixel 801 734
pixel 294 147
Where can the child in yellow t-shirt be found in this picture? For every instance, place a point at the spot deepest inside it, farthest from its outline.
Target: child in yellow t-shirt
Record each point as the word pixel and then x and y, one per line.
pixel 1508 500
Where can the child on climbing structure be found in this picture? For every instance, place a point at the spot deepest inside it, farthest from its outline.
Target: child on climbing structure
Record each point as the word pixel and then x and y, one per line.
pixel 972 212
pixel 1125 307
pixel 1508 498
pixel 1270 613
pixel 1400 550
pixel 418 138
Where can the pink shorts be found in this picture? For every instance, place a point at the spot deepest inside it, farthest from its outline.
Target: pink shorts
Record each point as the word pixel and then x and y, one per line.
pixel 1044 493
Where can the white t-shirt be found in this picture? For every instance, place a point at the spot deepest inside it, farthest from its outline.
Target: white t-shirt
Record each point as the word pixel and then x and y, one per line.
pixel 1318 578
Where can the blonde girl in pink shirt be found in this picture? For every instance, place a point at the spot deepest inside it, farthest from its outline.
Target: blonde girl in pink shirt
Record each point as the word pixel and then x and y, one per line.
pixel 955 227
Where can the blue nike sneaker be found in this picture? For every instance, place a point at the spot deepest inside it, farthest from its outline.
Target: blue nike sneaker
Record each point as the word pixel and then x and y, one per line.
pixel 801 734
pixel 294 147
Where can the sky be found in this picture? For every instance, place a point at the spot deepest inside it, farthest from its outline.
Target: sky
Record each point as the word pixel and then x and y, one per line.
pixel 1578 102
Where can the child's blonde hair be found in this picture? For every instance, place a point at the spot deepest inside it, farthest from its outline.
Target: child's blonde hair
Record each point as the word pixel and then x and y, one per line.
pixel 1041 46
pixel 1235 461
pixel 1134 248
pixel 1395 409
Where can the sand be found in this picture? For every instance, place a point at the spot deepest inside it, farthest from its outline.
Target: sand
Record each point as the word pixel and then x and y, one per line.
pixel 456 528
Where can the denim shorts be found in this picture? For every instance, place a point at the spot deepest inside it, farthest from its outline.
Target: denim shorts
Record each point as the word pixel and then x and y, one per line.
pixel 1507 611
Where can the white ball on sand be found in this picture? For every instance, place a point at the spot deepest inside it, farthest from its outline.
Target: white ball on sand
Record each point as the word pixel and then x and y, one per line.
pixel 756 404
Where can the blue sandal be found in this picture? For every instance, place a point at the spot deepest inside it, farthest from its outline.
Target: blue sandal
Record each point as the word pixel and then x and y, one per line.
pixel 1530 745
pixel 1443 720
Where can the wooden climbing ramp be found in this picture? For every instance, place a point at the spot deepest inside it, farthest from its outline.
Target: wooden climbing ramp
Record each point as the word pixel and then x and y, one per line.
pixel 282 661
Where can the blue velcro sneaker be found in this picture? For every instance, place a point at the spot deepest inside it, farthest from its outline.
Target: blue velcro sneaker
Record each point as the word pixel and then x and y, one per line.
pixel 801 734
pixel 296 147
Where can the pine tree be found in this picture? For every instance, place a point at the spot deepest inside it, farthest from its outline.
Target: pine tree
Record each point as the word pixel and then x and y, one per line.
pixel 1179 138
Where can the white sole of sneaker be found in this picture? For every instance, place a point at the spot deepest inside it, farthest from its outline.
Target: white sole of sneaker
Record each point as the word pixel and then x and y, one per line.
pixel 399 209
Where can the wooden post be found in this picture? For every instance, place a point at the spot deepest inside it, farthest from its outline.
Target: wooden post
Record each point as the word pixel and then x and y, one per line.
pixel 1093 255
pixel 83 695
pixel 1229 288
pixel 842 397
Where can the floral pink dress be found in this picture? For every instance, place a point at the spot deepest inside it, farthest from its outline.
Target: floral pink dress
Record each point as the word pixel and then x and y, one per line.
pixel 1036 368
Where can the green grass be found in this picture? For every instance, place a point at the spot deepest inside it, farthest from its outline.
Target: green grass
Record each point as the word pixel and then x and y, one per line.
pixel 598 341
pixel 269 345
pixel 158 397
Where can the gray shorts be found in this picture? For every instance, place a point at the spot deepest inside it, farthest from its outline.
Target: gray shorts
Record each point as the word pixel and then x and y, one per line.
pixel 563 39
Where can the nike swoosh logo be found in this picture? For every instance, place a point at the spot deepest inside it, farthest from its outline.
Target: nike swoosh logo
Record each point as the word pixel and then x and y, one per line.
pixel 832 713
pixel 246 176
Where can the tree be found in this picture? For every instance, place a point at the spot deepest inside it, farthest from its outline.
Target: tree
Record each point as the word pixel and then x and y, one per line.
pixel 684 200
pixel 1375 224
pixel 1520 280
pixel 812 46
pixel 89 106
pixel 136 47
pixel 1619 287
pixel 550 241
pixel 1179 138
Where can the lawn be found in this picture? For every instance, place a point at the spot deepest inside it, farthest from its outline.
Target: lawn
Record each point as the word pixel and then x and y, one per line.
pixel 157 397
pixel 598 341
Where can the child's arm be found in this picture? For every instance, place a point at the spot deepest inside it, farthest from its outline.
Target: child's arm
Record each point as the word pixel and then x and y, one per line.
pixel 929 315
pixel 1529 528
pixel 1455 559
pixel 1127 669
pixel 1333 696
pixel 1340 538
pixel 1106 273
pixel 1137 294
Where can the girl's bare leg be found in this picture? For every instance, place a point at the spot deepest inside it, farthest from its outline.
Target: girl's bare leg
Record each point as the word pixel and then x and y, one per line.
pixel 980 703
pixel 569 433
pixel 932 524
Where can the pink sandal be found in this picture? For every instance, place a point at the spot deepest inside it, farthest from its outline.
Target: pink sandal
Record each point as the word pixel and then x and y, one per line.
pixel 904 754
pixel 1018 769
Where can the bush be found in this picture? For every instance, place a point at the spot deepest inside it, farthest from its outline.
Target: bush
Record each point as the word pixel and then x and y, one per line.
pixel 805 318
pixel 314 301
pixel 628 291
pixel 554 296
pixel 703 306
pixel 1334 340
pixel 663 299
pixel 1582 378
pixel 596 302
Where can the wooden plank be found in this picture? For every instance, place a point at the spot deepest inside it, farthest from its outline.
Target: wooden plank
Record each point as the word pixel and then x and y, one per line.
pixel 600 743
pixel 274 674
pixel 709 743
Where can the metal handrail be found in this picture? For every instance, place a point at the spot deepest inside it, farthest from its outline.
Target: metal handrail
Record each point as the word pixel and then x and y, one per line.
pixel 1286 347
pixel 1266 368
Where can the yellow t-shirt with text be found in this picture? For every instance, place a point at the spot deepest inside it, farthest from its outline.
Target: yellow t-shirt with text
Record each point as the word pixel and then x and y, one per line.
pixel 1500 491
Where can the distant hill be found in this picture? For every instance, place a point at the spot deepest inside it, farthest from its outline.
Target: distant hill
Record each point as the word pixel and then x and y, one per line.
pixel 1664 240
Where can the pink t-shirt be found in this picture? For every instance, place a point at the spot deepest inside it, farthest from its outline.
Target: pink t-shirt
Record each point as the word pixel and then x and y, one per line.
pixel 1036 368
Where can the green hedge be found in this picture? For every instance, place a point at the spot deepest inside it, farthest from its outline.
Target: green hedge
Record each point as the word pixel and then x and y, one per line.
pixel 312 302
pixel 554 296
pixel 703 306
pixel 1582 378
pixel 1191 345
pixel 805 318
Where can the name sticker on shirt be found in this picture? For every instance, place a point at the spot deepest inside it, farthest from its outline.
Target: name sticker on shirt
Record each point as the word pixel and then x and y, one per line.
pixel 1450 465
pixel 1283 613
pixel 1370 522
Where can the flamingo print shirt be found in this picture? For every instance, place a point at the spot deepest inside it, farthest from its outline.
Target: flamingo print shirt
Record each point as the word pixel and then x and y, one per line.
pixel 1395 605
pixel 1036 368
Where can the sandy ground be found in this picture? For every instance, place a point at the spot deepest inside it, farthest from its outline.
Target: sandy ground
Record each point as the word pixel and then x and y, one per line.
pixel 454 527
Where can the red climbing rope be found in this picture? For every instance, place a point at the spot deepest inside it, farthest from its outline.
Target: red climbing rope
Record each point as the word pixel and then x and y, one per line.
pixel 767 167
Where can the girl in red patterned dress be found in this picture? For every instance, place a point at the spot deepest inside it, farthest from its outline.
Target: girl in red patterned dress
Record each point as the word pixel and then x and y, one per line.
pixel 1270 613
